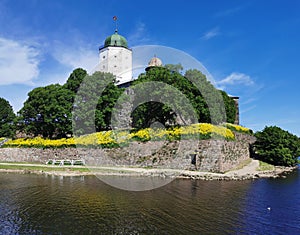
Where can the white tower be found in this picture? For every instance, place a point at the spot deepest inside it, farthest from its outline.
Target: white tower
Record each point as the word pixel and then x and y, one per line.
pixel 116 58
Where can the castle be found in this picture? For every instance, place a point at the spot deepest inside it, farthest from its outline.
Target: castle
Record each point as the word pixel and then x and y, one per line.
pixel 116 57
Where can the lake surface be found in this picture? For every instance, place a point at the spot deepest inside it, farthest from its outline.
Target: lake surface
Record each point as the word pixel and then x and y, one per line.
pixel 39 204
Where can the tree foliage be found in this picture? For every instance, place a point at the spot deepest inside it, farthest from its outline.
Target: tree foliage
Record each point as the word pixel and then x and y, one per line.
pixel 174 67
pixel 7 116
pixel 230 107
pixel 105 106
pixel 94 103
pixel 47 112
pixel 89 101
pixel 277 146
pixel 194 86
pixel 75 79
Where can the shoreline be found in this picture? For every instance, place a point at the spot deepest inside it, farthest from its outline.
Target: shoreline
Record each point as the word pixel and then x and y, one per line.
pixel 248 172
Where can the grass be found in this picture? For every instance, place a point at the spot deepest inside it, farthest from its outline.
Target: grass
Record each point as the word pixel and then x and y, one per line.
pixel 50 168
pixel 263 166
pixel 18 166
pixel 13 163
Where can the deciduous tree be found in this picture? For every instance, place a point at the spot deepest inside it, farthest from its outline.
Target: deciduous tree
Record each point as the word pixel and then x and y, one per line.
pixel 7 116
pixel 94 103
pixel 47 112
pixel 75 79
pixel 277 146
pixel 210 104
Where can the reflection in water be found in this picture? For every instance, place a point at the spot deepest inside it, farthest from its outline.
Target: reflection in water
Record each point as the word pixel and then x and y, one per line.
pixel 84 205
pixel 137 183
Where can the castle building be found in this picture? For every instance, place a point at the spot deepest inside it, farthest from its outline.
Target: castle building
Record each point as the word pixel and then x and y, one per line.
pixel 237 108
pixel 154 62
pixel 115 57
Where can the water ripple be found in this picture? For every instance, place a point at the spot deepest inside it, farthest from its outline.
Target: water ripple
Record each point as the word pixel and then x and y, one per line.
pixel 32 204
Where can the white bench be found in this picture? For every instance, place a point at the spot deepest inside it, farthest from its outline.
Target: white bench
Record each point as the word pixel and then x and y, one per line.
pixel 66 162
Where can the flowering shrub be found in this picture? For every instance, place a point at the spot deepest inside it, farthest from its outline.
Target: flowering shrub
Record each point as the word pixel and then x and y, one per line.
pixel 238 128
pixel 141 135
pixel 39 142
pixel 120 137
pixel 110 139
pixel 103 139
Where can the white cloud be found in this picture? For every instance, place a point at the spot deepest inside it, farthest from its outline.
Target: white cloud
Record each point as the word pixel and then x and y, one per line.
pixel 211 33
pixel 76 57
pixel 249 101
pixel 242 111
pixel 139 36
pixel 236 79
pixel 59 77
pixel 19 63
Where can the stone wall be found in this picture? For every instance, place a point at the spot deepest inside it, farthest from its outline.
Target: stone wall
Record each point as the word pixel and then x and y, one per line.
pixel 206 155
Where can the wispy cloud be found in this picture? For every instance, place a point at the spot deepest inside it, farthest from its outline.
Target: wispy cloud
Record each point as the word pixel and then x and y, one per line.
pixel 59 77
pixel 242 111
pixel 83 57
pixel 249 101
pixel 19 62
pixel 288 124
pixel 236 79
pixel 139 36
pixel 211 33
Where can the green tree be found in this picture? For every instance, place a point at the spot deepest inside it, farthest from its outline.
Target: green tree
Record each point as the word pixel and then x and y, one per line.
pixel 174 67
pixel 150 112
pixel 229 107
pixel 277 146
pixel 199 96
pixel 47 112
pixel 75 79
pixel 94 103
pixel 7 116
pixel 106 105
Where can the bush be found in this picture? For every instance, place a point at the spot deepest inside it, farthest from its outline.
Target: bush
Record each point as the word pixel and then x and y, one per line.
pixel 238 128
pixel 110 139
pixel 277 146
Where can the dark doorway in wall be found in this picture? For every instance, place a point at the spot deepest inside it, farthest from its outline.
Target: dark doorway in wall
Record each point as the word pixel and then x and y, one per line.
pixel 193 160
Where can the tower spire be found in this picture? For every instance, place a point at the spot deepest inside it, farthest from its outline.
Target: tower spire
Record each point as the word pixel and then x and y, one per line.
pixel 115 18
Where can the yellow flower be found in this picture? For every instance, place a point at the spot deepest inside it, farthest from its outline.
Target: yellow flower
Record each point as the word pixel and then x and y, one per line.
pixel 143 135
pixel 238 128
pixel 113 138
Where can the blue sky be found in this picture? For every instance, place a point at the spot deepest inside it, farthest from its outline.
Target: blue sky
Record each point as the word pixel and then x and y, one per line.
pixel 251 48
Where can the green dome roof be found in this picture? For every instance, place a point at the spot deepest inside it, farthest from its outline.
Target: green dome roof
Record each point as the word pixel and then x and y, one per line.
pixel 115 40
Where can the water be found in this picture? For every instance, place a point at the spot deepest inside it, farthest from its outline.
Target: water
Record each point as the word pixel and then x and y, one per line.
pixel 37 204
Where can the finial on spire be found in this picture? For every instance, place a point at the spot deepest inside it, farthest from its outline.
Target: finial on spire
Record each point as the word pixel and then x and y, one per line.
pixel 115 18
